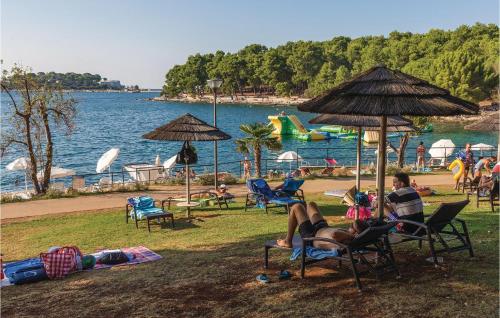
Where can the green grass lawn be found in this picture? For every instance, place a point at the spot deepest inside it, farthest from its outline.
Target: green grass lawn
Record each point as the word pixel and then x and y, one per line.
pixel 209 267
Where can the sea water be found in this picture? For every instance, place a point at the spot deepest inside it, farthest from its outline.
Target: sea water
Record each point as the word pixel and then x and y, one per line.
pixel 105 120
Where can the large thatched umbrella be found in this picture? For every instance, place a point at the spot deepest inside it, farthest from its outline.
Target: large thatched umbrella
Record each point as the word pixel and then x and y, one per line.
pixel 187 128
pixel 488 123
pixel 394 123
pixel 383 92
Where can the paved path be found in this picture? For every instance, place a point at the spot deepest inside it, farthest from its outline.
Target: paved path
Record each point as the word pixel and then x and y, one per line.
pixel 117 200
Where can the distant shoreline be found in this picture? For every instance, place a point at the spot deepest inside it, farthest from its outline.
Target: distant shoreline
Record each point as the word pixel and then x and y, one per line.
pixel 252 100
pixel 285 101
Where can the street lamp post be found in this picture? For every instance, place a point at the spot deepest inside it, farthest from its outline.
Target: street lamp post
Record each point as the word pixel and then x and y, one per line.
pixel 214 84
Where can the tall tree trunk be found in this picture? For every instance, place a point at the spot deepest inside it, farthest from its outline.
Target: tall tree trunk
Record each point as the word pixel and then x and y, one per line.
pixel 257 154
pixel 31 153
pixel 49 147
pixel 400 152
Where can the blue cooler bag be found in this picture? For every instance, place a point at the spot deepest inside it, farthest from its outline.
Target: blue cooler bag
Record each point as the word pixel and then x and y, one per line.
pixel 25 271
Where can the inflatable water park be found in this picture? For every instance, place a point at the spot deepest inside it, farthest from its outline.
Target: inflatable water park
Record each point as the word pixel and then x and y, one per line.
pixel 291 125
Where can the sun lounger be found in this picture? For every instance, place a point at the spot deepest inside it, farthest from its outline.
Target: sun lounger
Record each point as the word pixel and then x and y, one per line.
pixel 292 188
pixel 370 249
pixel 440 228
pixel 143 208
pixel 260 195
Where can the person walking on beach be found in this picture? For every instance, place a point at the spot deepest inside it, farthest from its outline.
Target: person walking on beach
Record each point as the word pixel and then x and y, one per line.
pixel 420 156
pixel 247 167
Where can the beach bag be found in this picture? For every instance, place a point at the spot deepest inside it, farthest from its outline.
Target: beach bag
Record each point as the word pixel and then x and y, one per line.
pixel 187 155
pixel 26 271
pixel 113 258
pixel 364 213
pixel 61 262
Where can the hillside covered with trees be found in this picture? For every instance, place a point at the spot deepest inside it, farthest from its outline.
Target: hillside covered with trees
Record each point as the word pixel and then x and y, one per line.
pixel 464 61
pixel 69 80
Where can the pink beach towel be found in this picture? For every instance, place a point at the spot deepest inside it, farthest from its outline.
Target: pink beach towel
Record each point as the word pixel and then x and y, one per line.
pixel 141 255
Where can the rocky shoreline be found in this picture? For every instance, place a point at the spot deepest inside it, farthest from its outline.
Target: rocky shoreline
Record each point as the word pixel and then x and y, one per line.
pixel 252 100
pixel 485 109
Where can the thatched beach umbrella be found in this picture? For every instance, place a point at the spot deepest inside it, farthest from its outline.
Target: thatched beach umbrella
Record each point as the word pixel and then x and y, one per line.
pixel 383 92
pixel 187 128
pixel 395 123
pixel 488 123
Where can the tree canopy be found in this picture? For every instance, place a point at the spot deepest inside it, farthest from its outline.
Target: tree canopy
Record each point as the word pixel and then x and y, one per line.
pixel 69 80
pixel 464 61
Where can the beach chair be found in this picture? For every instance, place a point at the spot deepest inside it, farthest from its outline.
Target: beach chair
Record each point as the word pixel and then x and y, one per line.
pixel 292 188
pixel 260 195
pixel 486 194
pixel 440 228
pixel 143 208
pixel 370 250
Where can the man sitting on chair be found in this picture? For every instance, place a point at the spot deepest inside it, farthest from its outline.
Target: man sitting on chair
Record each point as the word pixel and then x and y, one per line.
pixel 404 202
pixel 312 224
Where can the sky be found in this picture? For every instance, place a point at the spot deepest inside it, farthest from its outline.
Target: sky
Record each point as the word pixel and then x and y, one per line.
pixel 137 42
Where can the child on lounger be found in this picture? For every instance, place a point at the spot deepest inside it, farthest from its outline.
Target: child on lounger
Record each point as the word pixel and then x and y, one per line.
pixel 312 224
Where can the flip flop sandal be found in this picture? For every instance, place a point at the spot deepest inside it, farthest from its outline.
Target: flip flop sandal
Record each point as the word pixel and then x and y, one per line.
pixel 284 274
pixel 262 278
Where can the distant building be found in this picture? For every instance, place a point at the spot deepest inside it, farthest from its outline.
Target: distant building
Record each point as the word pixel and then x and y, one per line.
pixel 111 84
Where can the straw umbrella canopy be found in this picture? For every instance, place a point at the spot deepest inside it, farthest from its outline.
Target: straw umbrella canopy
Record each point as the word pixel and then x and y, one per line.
pixel 489 123
pixel 187 128
pixel 383 92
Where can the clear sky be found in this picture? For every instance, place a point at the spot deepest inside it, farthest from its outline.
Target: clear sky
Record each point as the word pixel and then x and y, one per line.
pixel 138 41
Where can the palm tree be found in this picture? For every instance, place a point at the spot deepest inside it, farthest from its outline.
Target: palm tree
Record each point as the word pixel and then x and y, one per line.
pixel 259 136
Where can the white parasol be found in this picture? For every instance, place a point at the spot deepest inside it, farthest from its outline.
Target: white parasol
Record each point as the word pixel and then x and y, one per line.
pixel 289 156
pixel 170 163
pixel 57 172
pixel 482 147
pixel 107 159
pixel 19 164
pixel 442 148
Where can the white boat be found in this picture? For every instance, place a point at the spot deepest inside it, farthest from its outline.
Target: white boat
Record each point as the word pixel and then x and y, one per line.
pixel 144 172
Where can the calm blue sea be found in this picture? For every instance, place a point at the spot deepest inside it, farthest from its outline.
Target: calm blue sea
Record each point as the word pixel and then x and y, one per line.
pixel 108 120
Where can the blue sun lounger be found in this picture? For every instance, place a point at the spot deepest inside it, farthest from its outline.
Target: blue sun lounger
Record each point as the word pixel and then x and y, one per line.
pixel 260 195
pixel 144 208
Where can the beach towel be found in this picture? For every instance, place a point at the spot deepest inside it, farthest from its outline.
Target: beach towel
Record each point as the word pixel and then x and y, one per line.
pixel 314 253
pixel 140 254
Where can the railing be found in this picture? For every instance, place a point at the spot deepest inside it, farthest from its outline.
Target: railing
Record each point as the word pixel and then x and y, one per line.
pixel 345 156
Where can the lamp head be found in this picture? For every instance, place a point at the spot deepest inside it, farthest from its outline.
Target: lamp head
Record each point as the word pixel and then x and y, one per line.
pixel 214 83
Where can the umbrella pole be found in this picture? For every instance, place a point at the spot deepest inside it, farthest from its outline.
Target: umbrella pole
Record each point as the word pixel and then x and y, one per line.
pixel 25 182
pixel 358 170
pixel 381 166
pixel 188 193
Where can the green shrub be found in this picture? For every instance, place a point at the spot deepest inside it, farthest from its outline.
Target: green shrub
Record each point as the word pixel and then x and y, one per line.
pixel 229 179
pixel 206 179
pixel 392 169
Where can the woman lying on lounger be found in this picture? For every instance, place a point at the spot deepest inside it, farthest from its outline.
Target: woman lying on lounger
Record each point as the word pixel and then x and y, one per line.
pixel 312 224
